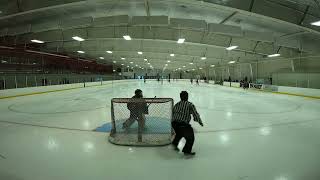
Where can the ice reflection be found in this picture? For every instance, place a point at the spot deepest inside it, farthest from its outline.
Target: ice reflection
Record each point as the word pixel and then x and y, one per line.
pixel 265 131
pixel 88 147
pixel 224 138
pixel 52 144
pixel 86 124
pixel 281 178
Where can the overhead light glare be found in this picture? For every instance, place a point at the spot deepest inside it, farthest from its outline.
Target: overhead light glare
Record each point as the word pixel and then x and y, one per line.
pixel 37 41
pixel 317 23
pixel 212 66
pixel 139 52
pixel 172 55
pixel 127 37
pixel 168 61
pixel 191 63
pixel 181 40
pixel 101 57
pixel 81 52
pixel 145 59
pixel 77 38
pixel 203 58
pixel 231 62
pixel 231 48
pixel 131 62
pixel 274 55
pixel 110 52
pixel 123 58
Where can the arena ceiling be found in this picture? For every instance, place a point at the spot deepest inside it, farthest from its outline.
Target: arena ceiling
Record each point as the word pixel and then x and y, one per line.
pixel 258 27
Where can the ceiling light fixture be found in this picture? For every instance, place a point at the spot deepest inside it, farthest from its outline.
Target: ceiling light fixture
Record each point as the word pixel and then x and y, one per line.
pixel 212 65
pixel 273 55
pixel 231 62
pixel 131 62
pixel 148 63
pixel 168 61
pixel 200 68
pixel 317 23
pixel 231 48
pixel 145 59
pixel 127 37
pixel 110 52
pixel 191 63
pixel 81 52
pixel 184 66
pixel 123 58
pixel 77 38
pixel 101 57
pixel 181 40
pixel 114 61
pixel 172 55
pixel 37 41
pixel 122 64
pixel 203 58
pixel 139 52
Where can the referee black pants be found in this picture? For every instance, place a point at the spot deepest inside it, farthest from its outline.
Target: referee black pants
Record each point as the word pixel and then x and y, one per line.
pixel 186 131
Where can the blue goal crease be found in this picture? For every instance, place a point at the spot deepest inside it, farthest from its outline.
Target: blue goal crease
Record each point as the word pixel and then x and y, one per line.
pixel 152 125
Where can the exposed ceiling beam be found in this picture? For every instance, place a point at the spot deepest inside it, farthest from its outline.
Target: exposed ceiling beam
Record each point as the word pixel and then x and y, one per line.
pixel 317 3
pixel 162 40
pixel 294 34
pixel 255 46
pixel 147 7
pixel 304 15
pixel 251 5
pixel 228 18
pixel 42 10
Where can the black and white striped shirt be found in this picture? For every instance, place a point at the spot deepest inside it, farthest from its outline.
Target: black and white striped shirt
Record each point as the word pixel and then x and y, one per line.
pixel 182 112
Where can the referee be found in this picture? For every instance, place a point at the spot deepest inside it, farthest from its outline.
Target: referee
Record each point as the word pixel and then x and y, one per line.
pixel 181 123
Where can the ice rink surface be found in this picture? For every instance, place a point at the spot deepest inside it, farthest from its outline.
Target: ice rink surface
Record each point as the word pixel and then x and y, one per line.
pixel 247 135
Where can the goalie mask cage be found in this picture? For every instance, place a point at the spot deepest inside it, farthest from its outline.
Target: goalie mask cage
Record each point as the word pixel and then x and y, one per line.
pixel 141 121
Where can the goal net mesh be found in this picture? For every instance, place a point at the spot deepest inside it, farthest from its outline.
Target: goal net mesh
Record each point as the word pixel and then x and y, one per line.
pixel 141 121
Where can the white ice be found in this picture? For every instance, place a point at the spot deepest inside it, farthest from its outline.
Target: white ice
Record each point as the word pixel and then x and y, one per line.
pixel 247 135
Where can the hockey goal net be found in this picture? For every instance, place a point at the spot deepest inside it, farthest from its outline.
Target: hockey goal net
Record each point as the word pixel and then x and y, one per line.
pixel 141 121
